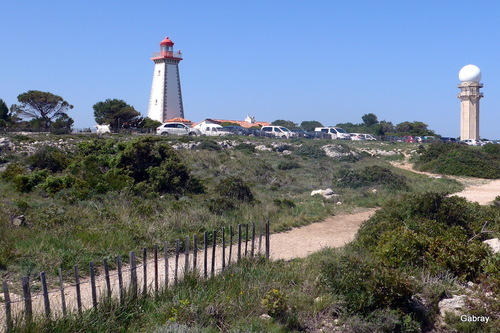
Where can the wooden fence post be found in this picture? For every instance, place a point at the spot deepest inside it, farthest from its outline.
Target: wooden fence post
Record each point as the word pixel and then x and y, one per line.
pixel 145 271
pixel 108 280
pixel 8 311
pixel 223 248
pixel 120 277
pixel 253 240
pixel 78 291
pixel 28 308
pixel 133 274
pixel 155 257
pixel 166 265
pixel 195 254
pixel 214 244
pixel 92 283
pixel 268 241
pixel 61 288
pixel 246 239
pixel 260 237
pixel 186 256
pixel 177 249
pixel 239 242
pixel 205 264
pixel 230 244
pixel 45 291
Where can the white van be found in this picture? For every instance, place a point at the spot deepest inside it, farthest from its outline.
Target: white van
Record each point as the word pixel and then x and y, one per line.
pixel 211 129
pixel 335 133
pixel 277 131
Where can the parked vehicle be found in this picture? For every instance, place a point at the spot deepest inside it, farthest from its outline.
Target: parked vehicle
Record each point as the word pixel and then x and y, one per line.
pixel 211 129
pixel 472 142
pixel 177 129
pixel 448 140
pixel 334 133
pixel 277 131
pixel 409 138
pixel 303 134
pixel 369 137
pixel 357 136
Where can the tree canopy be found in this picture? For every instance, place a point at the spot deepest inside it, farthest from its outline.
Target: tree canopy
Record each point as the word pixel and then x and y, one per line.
pixel 369 119
pixel 44 107
pixel 117 113
pixel 4 110
pixel 285 123
pixel 310 125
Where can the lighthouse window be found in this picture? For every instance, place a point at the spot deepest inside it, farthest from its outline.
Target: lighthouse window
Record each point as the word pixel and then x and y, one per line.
pixel 159 73
pixel 156 101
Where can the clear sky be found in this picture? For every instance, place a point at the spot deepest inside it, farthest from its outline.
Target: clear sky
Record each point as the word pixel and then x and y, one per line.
pixel 324 60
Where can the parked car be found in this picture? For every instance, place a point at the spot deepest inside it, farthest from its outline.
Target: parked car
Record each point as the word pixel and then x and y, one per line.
pixel 334 133
pixel 303 134
pixel 446 139
pixel 277 131
pixel 357 136
pixel 472 142
pixel 409 138
pixel 369 137
pixel 177 129
pixel 211 129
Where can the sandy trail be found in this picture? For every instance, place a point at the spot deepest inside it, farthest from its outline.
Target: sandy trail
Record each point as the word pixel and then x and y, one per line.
pixel 335 231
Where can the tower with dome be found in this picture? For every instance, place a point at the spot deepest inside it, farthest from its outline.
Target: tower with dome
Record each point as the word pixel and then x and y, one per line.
pixel 470 77
pixel 165 101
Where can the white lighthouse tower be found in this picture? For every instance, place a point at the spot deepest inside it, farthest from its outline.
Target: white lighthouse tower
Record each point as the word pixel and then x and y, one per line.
pixel 470 94
pixel 165 101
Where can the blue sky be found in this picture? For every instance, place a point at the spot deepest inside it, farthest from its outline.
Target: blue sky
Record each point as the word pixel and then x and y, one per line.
pixel 324 60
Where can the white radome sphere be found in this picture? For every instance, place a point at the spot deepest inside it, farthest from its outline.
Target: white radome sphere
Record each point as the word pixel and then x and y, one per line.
pixel 470 73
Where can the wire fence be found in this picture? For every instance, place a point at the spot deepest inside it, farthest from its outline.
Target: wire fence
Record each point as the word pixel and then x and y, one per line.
pixel 160 268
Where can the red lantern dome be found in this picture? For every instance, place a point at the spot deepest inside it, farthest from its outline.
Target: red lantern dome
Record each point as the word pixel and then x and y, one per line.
pixel 166 41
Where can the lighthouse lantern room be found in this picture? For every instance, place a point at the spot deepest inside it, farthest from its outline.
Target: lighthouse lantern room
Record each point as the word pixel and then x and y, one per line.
pixel 165 101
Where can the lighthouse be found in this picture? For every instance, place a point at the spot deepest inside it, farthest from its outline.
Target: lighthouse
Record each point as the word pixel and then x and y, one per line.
pixel 470 94
pixel 165 101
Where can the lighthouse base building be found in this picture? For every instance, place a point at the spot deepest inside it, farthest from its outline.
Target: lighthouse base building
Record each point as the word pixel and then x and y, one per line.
pixel 165 101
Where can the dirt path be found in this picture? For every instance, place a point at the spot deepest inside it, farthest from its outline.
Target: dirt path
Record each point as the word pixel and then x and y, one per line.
pixel 296 243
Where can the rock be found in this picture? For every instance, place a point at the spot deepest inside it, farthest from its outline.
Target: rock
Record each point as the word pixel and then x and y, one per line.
pixel 453 305
pixel 263 148
pixel 328 193
pixel 18 220
pixel 494 244
pixel 265 316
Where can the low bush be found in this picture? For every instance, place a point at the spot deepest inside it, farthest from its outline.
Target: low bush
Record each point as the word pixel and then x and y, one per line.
pixel 27 182
pixel 310 151
pixel 364 285
pixel 370 176
pixel 234 188
pixel 460 160
pixel 49 158
pixel 209 145
pixel 246 147
pixel 288 165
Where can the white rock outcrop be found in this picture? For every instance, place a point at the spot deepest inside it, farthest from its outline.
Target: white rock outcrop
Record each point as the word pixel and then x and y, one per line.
pixel 494 244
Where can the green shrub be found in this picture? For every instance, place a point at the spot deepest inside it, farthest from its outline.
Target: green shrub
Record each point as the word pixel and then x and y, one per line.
pixel 55 184
pixel 234 188
pixel 310 151
pixel 49 158
pixel 284 203
pixel 364 285
pixel 26 183
pixel 12 170
pixel 209 145
pixel 220 205
pixel 288 165
pixel 371 176
pixel 460 160
pixel 246 147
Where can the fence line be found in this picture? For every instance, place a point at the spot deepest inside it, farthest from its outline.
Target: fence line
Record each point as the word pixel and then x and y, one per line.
pixel 58 302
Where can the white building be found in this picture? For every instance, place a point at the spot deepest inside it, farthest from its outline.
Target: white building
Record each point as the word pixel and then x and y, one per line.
pixel 165 101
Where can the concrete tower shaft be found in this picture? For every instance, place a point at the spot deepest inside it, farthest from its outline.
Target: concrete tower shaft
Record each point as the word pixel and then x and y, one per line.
pixel 469 109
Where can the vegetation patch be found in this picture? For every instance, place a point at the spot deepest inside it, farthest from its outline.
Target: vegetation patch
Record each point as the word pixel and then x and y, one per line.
pixel 460 160
pixel 370 176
